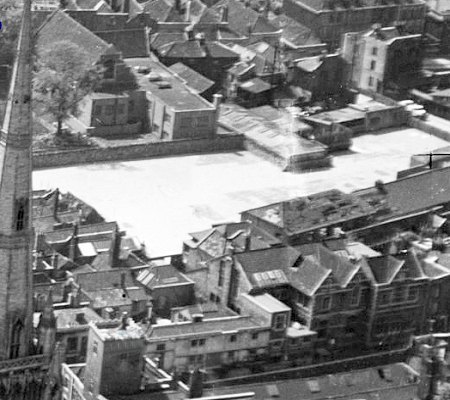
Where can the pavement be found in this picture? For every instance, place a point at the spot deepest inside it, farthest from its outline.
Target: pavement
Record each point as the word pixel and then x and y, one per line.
pixel 161 200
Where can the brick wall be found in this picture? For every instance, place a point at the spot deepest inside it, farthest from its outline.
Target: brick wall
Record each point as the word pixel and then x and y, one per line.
pixel 51 159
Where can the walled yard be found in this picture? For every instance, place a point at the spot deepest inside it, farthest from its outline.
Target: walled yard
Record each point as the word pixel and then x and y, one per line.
pixel 161 200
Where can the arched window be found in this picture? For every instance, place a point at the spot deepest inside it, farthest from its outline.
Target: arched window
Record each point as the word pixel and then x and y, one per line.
pixel 16 336
pixel 21 214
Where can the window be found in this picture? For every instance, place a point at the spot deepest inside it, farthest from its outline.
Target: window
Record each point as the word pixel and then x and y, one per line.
pixel 161 347
pixel 97 110
pixel 355 296
pixel 399 294
pixel 385 297
pixel 217 299
pixel 221 272
pixel 212 297
pixel 280 322
pixel 373 65
pixel 109 110
pixel 155 128
pixel 16 336
pixel 233 338
pixel 72 344
pixel 201 342
pixel 374 51
pixel 326 303
pixel 134 306
pixel 21 214
pixel 131 106
pixel 413 293
pixel 254 336
pixel 436 291
pixel 120 108
pixel 203 122
pixel 95 347
pixel 194 343
pixel 370 81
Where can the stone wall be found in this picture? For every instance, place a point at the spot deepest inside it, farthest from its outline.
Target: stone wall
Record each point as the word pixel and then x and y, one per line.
pixel 62 158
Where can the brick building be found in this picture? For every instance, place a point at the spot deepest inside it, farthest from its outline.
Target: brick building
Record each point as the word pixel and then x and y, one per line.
pixel 383 59
pixel 330 19
pixel 173 110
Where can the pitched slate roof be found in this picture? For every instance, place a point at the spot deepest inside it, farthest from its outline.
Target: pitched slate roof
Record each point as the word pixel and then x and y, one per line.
pixel 384 268
pixel 308 276
pixel 294 32
pixel 268 267
pixel 162 275
pixel 243 19
pixel 60 26
pixel 131 43
pixel 195 49
pixel 193 79
pixel 342 269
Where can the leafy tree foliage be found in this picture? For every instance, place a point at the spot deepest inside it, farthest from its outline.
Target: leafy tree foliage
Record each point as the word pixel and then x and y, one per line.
pixel 10 16
pixel 63 77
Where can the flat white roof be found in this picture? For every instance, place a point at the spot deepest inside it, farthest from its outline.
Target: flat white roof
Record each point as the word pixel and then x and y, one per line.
pixel 268 302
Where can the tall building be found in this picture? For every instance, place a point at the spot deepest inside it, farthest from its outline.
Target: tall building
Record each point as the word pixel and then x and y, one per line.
pixel 16 233
pixel 383 59
pixel 23 372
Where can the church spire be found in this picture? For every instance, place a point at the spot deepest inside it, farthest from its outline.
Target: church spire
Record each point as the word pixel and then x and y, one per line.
pixel 15 204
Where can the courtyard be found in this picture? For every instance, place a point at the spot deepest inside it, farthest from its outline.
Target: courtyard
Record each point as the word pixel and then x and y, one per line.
pixel 161 200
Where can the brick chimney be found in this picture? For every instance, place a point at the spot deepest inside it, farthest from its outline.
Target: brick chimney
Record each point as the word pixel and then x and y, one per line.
pixel 187 15
pixel 224 14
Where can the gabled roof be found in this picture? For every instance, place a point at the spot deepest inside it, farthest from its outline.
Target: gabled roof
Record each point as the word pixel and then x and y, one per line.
pixel 308 276
pixel 60 26
pixel 160 10
pixel 384 268
pixel 310 64
pixel 268 267
pixel 342 269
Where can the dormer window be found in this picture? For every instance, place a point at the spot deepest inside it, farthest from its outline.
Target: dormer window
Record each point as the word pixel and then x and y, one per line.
pixel 16 335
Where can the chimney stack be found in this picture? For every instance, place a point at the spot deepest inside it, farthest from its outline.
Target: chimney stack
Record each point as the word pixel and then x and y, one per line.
pixel 196 384
pixel 217 100
pixel 124 321
pixel 190 33
pixel 224 14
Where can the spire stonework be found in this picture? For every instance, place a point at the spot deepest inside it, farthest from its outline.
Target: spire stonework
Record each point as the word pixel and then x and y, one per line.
pixel 16 233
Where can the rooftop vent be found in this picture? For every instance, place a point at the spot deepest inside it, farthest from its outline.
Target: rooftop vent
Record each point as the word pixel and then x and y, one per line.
pixel 197 318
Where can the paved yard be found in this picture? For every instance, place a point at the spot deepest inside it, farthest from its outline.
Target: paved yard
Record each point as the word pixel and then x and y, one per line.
pixel 161 200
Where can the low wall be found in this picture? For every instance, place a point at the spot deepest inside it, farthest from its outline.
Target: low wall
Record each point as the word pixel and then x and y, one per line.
pixel 432 130
pixel 62 158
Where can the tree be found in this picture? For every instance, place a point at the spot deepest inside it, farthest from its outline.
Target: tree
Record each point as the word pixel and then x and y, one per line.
pixel 63 77
pixel 10 12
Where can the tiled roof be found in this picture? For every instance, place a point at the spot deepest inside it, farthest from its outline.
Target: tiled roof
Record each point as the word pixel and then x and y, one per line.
pixel 193 79
pixel 160 39
pixel 131 43
pixel 61 26
pixel 243 19
pixel 343 4
pixel 255 85
pixel 159 9
pixel 310 64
